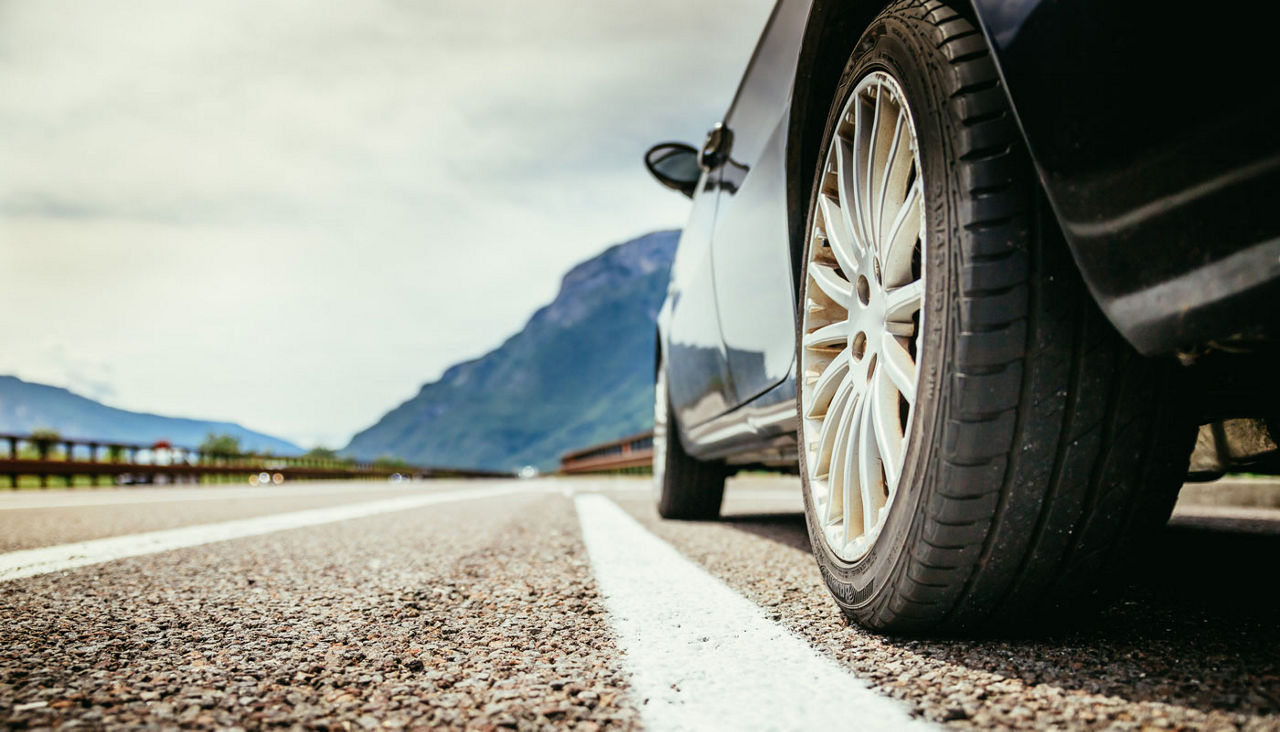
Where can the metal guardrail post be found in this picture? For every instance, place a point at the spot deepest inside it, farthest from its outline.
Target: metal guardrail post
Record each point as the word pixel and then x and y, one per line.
pixel 145 464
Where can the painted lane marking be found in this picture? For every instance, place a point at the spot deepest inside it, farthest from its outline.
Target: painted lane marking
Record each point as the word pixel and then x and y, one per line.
pixel 702 656
pixel 32 562
pixel 84 498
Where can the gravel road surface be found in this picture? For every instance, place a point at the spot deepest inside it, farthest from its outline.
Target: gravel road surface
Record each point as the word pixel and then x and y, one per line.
pixel 486 611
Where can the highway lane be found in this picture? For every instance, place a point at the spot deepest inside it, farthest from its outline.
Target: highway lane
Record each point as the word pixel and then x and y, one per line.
pixel 489 611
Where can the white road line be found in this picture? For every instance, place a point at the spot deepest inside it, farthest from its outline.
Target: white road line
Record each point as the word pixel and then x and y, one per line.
pixel 702 656
pixel 31 562
pixel 82 498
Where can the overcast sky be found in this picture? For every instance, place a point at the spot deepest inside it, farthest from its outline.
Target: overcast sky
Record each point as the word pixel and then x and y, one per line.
pixel 293 214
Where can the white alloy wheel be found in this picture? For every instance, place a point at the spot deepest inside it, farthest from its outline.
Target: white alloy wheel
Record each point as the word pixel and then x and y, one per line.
pixel 863 295
pixel 659 429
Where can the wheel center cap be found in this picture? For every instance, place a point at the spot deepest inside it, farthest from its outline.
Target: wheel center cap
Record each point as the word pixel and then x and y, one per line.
pixel 867 311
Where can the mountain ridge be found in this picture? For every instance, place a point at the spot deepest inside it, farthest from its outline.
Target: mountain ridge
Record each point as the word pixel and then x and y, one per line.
pixel 580 371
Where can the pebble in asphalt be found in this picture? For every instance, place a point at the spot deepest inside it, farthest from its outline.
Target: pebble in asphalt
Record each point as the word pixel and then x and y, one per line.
pixel 484 614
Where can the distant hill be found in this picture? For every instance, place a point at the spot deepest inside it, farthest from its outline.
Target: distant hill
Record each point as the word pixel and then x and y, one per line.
pixel 25 406
pixel 580 372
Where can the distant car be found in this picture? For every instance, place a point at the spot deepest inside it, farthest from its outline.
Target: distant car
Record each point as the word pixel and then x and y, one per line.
pixel 944 260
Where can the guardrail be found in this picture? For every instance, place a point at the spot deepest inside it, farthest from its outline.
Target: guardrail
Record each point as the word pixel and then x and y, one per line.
pixel 121 462
pixel 632 454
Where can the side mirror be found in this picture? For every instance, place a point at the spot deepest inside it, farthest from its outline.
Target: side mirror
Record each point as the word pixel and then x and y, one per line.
pixel 675 165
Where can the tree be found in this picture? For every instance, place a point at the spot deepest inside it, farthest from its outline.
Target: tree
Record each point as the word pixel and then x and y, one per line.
pixel 220 445
pixel 389 461
pixel 43 439
pixel 321 453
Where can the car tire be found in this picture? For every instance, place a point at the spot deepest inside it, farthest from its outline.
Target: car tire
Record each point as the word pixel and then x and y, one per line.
pixel 1040 447
pixel 685 488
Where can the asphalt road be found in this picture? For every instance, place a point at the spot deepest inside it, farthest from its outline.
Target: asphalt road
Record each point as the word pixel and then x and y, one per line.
pixel 566 602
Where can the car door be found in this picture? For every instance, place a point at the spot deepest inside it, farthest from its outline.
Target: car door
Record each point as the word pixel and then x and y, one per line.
pixel 698 380
pixel 750 250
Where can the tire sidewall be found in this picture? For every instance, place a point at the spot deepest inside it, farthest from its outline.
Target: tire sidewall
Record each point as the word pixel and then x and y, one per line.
pixel 859 587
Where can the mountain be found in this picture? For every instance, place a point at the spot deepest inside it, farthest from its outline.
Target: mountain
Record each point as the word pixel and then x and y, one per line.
pixel 25 406
pixel 580 372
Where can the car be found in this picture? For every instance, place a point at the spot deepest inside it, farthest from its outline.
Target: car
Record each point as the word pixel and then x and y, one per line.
pixel 985 275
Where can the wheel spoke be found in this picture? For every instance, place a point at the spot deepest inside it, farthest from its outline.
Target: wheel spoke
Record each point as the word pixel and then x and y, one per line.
pixel 851 501
pixel 830 282
pixel 840 238
pixel 837 476
pixel 825 386
pixel 832 334
pixel 889 168
pixel 827 435
pixel 899 245
pixel 888 428
pixel 898 366
pixel 870 482
pixel 902 302
pixel 896 171
pixel 866 205
pixel 848 188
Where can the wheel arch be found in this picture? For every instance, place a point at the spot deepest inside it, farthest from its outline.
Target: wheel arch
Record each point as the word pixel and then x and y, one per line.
pixel 832 28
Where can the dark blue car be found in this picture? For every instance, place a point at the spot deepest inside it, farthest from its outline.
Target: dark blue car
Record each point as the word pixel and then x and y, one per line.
pixel 979 272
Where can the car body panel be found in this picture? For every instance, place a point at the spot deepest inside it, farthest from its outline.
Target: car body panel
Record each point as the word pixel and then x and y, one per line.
pixel 1154 134
pixel 762 431
pixel 699 384
pixel 1153 157
pixel 714 344
pixel 757 305
pixel 753 275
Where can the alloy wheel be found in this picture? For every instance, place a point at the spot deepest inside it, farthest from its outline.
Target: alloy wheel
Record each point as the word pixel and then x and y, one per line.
pixel 659 428
pixel 862 316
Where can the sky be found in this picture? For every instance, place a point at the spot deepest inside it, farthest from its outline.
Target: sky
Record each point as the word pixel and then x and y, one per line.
pixel 293 214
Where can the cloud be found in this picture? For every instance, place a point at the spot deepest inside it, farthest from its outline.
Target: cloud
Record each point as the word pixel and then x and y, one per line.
pixel 384 187
pixel 232 110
